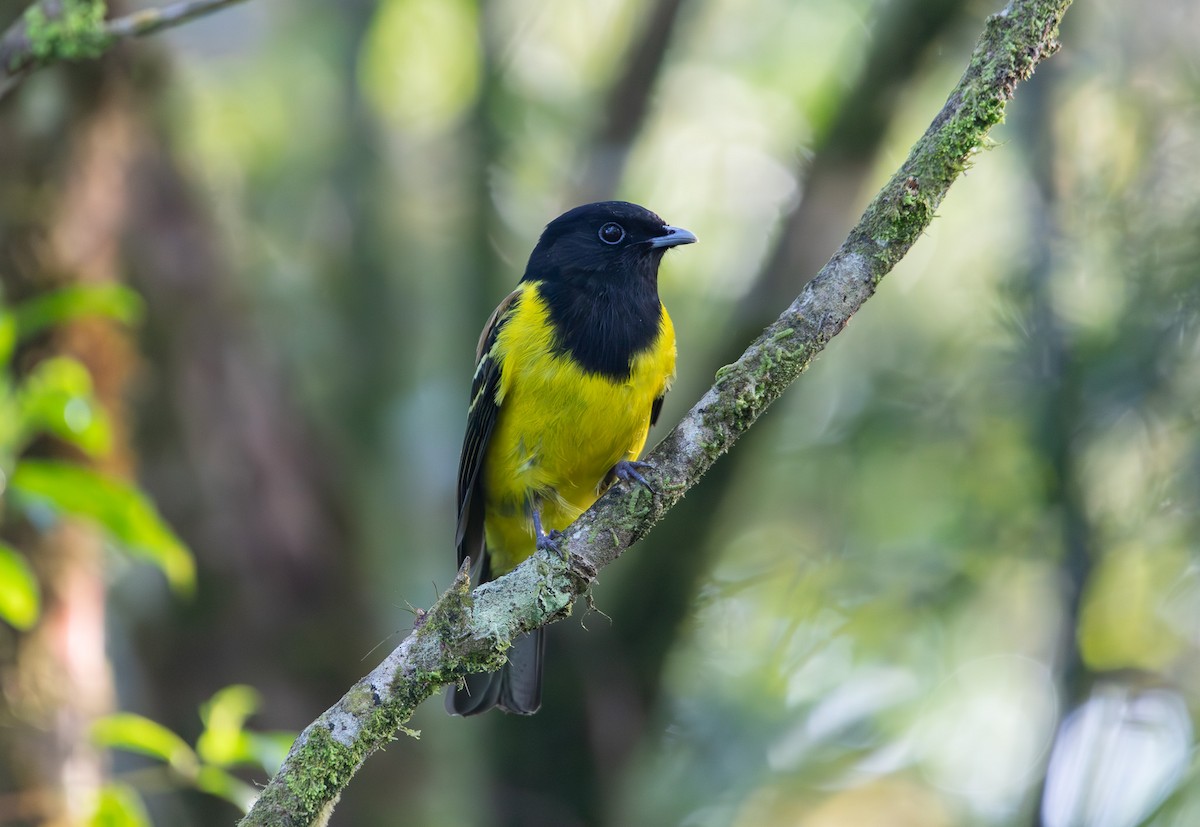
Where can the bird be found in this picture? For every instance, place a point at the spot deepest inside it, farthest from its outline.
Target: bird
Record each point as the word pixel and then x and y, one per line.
pixel 570 374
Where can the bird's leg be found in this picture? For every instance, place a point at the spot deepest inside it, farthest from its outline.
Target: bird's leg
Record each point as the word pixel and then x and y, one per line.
pixel 545 542
pixel 628 471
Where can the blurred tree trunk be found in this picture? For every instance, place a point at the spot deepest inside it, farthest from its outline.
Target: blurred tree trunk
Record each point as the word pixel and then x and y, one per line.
pixel 627 105
pixel 1057 411
pixel 62 184
pixel 243 479
pixel 238 471
pixel 95 195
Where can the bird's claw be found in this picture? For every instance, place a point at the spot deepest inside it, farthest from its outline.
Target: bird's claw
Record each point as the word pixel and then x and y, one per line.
pixel 550 542
pixel 628 471
pixel 544 541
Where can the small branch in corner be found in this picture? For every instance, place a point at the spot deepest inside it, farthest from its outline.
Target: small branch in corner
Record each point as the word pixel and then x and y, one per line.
pixel 51 31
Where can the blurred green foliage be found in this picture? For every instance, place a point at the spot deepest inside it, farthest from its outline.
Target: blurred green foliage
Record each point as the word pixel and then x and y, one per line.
pixel 55 398
pixel 420 64
pixel 222 746
pixel 19 594
pixel 110 301
pixel 119 509
pixel 118 805
pixel 75 30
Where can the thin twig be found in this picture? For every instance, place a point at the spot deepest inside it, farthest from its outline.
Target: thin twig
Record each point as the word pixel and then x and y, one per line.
pixel 150 21
pixel 56 30
pixel 469 631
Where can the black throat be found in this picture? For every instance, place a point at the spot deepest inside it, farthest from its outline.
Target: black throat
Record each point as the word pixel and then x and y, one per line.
pixel 603 325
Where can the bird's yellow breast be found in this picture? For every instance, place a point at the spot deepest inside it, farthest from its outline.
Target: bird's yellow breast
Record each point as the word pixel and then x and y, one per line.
pixel 559 429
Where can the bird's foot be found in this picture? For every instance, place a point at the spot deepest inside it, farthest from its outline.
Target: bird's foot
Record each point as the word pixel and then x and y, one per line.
pixel 629 472
pixel 551 542
pixel 544 541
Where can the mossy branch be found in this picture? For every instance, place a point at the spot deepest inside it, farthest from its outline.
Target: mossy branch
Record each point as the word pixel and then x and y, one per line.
pixel 54 30
pixel 469 631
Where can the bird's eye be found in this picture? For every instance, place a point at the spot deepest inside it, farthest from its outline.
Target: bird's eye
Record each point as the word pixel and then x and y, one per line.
pixel 612 233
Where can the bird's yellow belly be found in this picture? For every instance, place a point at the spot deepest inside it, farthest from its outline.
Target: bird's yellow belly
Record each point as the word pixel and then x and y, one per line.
pixel 559 431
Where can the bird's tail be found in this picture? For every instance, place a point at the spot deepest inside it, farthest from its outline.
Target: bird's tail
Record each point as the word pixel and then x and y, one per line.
pixel 516 688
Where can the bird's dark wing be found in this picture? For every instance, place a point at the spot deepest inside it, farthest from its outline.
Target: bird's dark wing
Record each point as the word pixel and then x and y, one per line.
pixel 481 419
pixel 656 409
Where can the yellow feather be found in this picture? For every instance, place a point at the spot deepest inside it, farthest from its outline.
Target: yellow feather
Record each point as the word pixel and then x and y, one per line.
pixel 559 430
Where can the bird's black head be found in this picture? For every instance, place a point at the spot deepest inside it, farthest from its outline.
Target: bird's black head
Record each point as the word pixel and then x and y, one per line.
pixel 597 271
pixel 604 245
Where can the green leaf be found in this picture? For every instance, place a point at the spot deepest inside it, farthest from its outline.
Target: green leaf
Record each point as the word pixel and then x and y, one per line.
pixel 113 301
pixel 20 600
pixel 120 509
pixel 56 398
pixel 224 741
pixel 216 781
pixel 135 733
pixel 8 337
pixel 119 805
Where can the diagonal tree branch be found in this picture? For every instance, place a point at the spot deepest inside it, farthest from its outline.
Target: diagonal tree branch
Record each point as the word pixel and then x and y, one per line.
pixel 468 631
pixel 54 30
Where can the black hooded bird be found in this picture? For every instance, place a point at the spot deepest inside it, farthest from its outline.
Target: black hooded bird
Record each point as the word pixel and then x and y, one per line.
pixel 570 374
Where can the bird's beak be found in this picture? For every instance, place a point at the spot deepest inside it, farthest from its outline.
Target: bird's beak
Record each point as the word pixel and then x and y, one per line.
pixel 672 237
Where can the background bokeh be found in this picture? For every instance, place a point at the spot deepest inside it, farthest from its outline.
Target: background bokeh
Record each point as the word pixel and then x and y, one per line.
pixel 952 578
